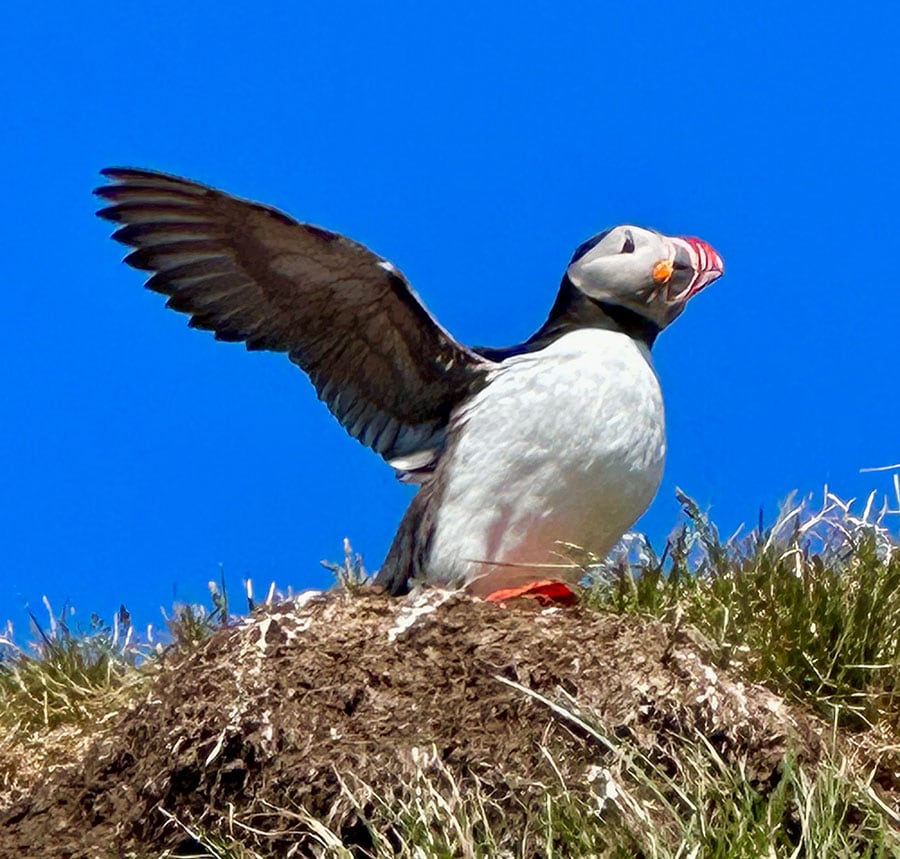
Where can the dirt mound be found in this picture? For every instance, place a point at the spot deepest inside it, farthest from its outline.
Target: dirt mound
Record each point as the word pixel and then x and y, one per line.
pixel 275 713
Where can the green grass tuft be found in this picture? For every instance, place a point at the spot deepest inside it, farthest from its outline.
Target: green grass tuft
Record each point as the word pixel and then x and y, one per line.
pixel 68 676
pixel 810 606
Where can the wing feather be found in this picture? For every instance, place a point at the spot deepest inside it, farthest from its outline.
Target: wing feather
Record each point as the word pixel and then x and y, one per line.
pixel 383 365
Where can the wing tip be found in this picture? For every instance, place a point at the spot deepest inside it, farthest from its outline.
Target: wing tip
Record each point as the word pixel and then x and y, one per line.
pixel 127 183
pixel 119 175
pixel 108 213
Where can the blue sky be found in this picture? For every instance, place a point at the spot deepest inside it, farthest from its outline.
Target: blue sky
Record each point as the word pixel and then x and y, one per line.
pixel 474 147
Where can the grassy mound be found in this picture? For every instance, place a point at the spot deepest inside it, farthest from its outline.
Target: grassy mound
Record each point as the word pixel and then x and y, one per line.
pixel 731 698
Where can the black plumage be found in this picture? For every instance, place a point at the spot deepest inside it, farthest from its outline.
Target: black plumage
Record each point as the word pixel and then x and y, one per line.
pixel 348 318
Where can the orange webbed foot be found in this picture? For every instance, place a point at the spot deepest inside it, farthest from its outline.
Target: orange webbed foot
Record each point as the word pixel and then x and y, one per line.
pixel 545 591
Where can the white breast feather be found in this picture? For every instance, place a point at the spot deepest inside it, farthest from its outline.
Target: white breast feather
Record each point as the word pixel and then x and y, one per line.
pixel 564 444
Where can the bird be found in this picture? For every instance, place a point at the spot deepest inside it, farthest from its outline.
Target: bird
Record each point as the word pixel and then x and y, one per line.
pixel 515 450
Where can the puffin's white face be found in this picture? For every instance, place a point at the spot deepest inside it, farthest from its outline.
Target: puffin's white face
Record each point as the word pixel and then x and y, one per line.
pixel 644 271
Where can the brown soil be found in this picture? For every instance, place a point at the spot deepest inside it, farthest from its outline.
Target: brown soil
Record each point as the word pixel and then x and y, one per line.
pixel 272 714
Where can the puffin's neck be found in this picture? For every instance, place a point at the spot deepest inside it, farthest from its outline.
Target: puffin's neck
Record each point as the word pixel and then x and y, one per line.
pixel 573 309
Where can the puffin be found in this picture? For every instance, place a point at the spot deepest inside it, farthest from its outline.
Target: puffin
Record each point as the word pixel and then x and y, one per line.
pixel 516 451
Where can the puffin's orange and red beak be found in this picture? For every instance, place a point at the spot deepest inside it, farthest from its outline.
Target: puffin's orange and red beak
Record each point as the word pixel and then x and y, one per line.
pixel 707 263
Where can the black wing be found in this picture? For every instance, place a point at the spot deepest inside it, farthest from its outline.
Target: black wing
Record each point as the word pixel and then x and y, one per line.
pixel 383 365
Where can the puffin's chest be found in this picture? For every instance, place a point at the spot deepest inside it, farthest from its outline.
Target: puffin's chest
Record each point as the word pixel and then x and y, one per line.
pixel 564 444
pixel 588 405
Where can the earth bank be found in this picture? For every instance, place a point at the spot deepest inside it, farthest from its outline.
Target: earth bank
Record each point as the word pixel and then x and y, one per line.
pixel 332 706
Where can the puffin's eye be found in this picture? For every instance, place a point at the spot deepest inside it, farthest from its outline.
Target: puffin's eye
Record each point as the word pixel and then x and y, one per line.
pixel 628 247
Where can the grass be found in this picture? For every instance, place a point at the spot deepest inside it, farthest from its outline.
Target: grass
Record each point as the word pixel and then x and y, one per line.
pixel 71 678
pixel 809 606
pixel 68 676
pixel 634 808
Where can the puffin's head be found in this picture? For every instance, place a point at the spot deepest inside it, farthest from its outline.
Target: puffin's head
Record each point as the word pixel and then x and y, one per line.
pixel 644 271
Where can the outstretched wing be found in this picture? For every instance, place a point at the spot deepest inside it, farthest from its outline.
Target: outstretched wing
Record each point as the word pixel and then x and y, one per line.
pixel 383 365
